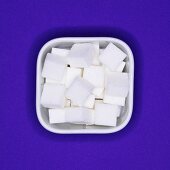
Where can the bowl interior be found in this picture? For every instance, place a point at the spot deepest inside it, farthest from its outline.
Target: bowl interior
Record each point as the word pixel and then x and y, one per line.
pixel 43 112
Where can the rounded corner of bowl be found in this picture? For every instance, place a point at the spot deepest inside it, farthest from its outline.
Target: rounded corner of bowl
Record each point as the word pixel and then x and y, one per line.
pixel 124 124
pixel 42 122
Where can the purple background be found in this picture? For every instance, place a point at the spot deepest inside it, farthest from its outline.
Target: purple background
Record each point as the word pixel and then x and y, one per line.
pixel 26 25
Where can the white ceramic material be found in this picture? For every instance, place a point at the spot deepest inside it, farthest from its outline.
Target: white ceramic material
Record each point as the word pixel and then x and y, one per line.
pixel 65 128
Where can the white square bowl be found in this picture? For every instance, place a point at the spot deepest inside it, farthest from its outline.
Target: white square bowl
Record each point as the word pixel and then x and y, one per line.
pixel 66 128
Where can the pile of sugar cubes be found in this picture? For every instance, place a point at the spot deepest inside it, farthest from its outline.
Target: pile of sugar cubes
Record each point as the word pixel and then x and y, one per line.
pixel 85 84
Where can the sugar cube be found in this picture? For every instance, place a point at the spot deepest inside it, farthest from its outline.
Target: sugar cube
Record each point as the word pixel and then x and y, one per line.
pixel 89 103
pixel 116 88
pixel 106 114
pixel 95 75
pixel 79 91
pixel 120 67
pixel 54 67
pixel 48 80
pixel 61 52
pixel 57 115
pixel 96 57
pixel 53 95
pixel 79 115
pixel 98 92
pixel 114 100
pixel 117 84
pixel 72 73
pixel 81 55
pixel 112 56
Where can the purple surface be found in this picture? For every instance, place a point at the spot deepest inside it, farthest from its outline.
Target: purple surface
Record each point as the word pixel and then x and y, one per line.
pixel 26 25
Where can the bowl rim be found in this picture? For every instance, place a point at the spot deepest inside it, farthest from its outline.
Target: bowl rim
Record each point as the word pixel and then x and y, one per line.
pixel 86 131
